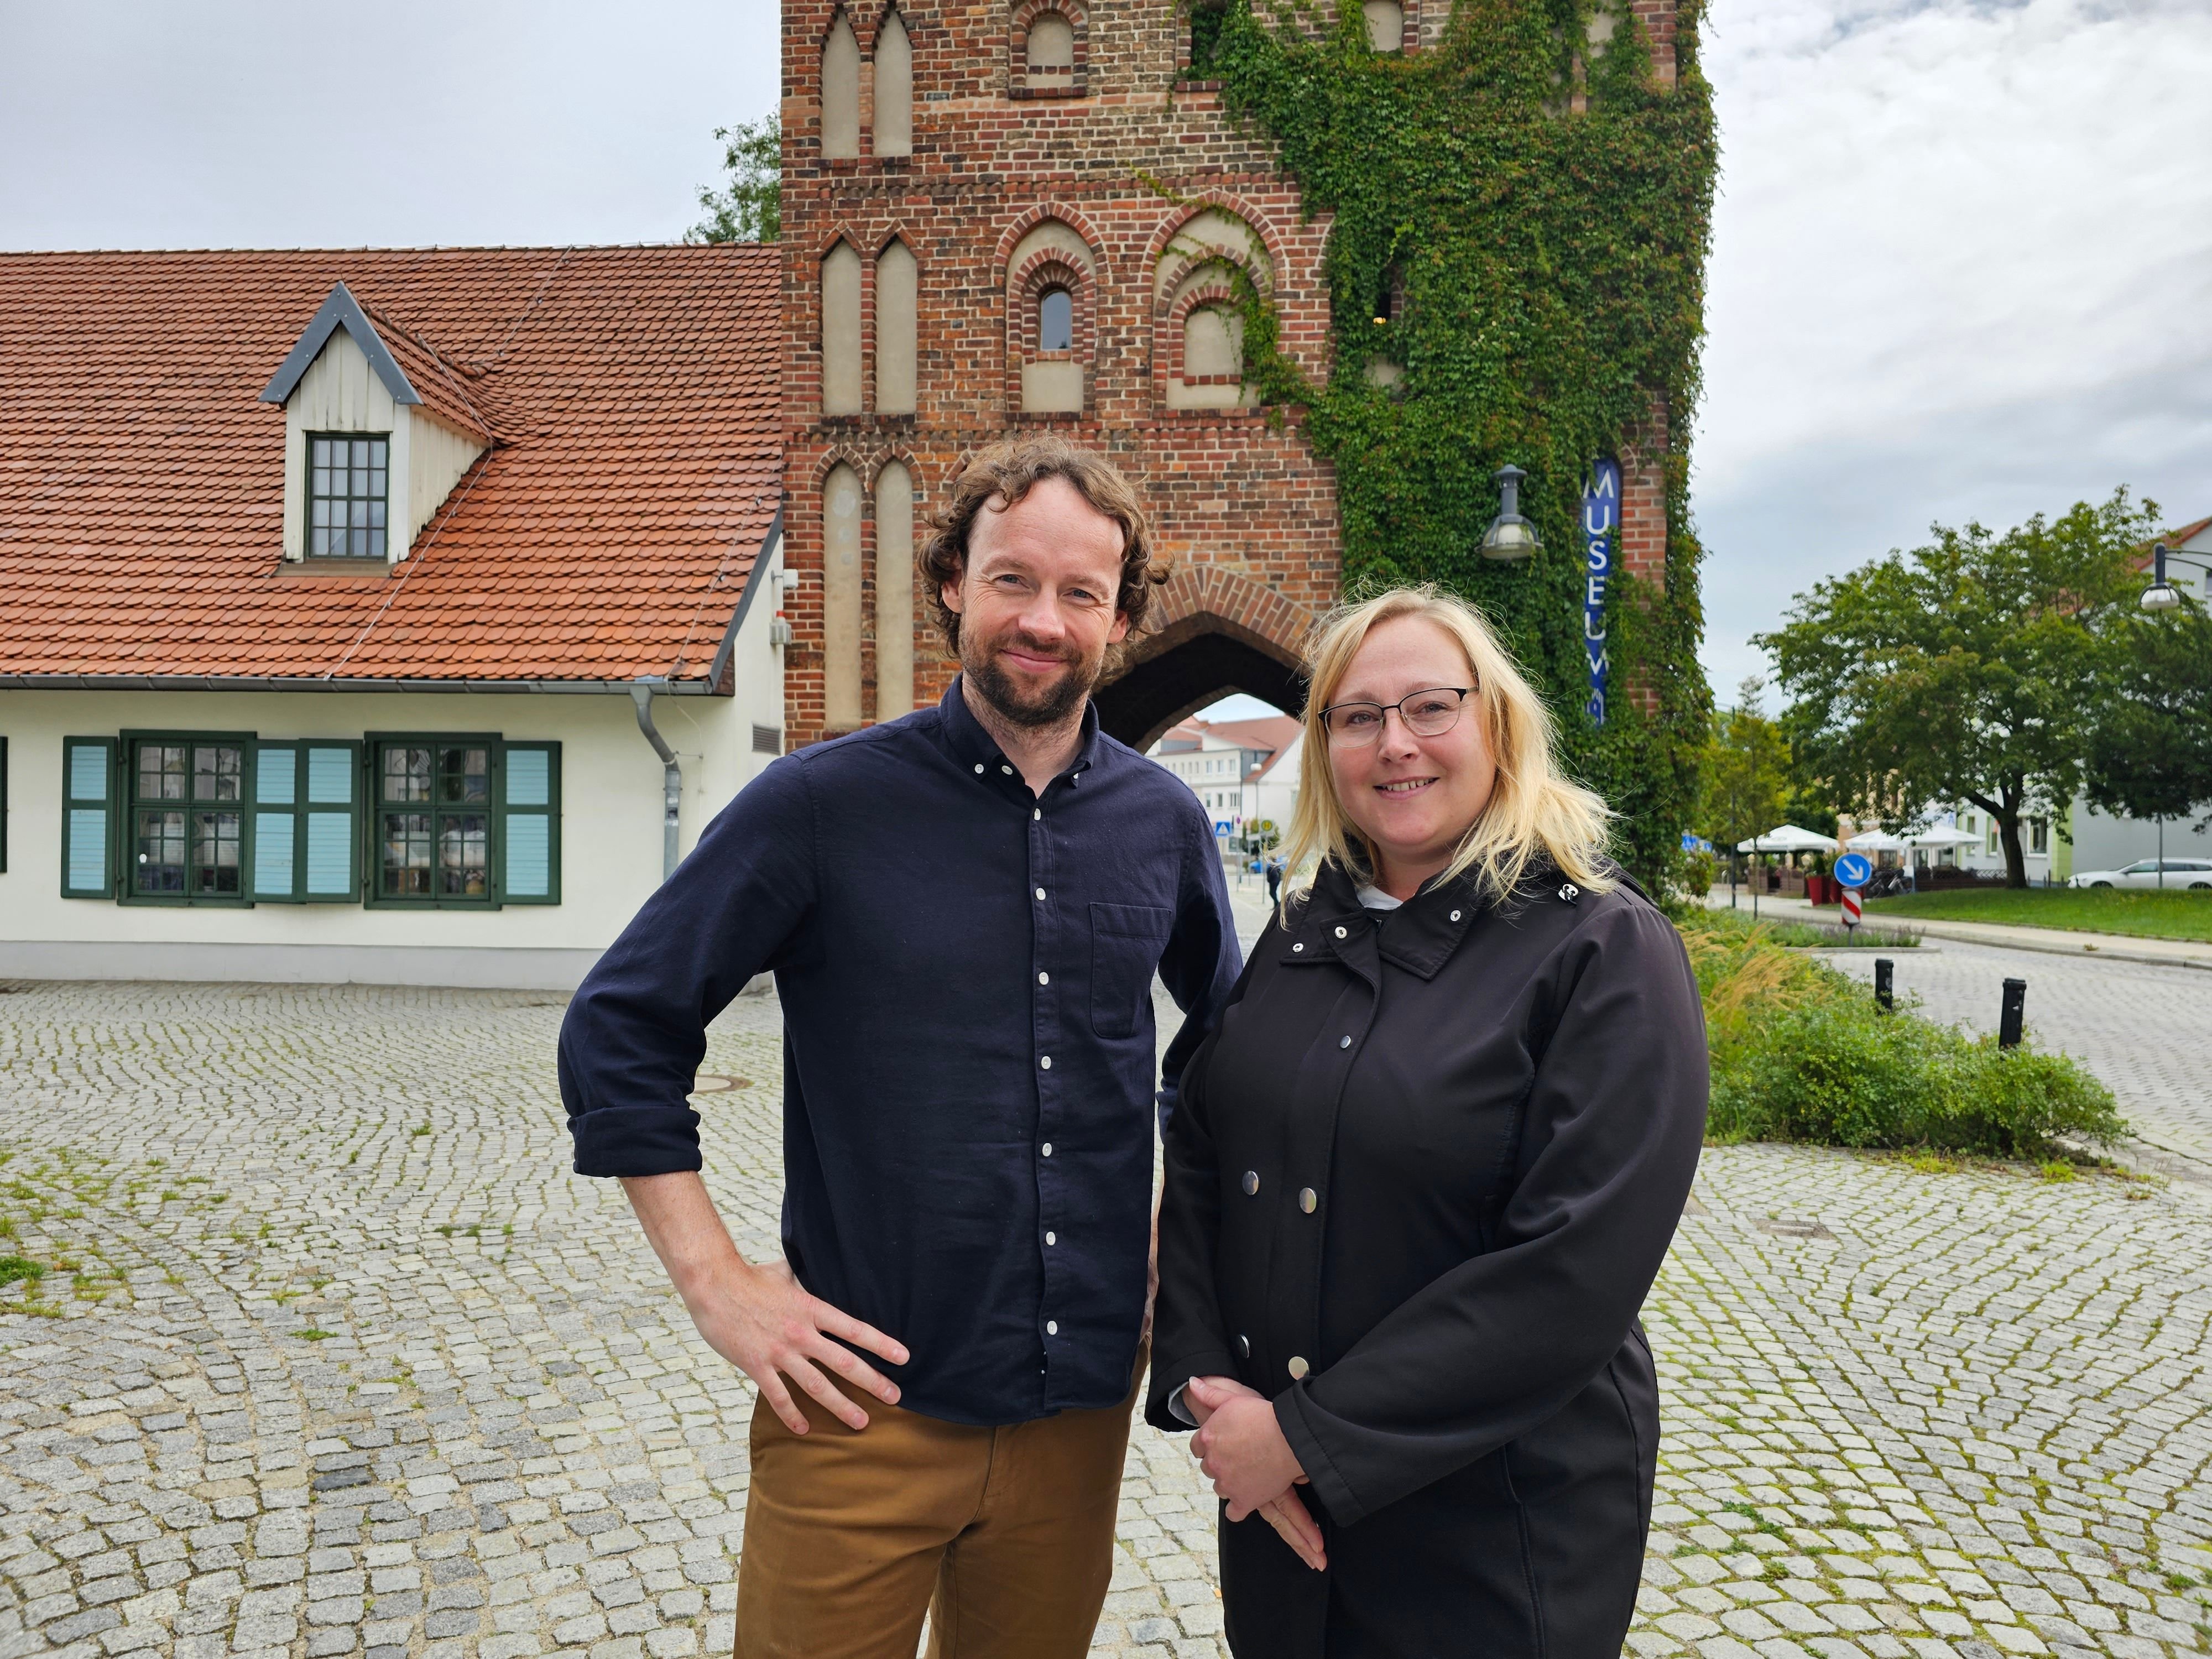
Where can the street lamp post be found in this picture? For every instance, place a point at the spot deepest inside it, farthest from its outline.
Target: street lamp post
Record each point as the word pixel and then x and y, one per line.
pixel 2162 595
pixel 2159 597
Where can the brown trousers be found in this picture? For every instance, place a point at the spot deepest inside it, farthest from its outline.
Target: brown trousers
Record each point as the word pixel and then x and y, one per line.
pixel 1004 1536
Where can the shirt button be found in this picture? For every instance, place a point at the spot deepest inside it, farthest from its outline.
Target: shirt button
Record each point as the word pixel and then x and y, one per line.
pixel 979 769
pixel 1036 811
pixel 1046 1149
pixel 1297 947
pixel 1008 771
pixel 1251 1182
pixel 1044 979
pixel 1339 932
pixel 1046 1063
pixel 1455 915
pixel 1244 1347
pixel 1297 1368
pixel 1051 1238
pixel 1040 892
pixel 1307 1200
pixel 1052 1329
pixel 1344 1042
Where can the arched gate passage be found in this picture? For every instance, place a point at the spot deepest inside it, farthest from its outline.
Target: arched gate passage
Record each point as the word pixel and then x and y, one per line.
pixel 1210 632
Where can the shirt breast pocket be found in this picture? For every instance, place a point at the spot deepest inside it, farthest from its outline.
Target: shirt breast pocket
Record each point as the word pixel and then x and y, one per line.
pixel 1125 942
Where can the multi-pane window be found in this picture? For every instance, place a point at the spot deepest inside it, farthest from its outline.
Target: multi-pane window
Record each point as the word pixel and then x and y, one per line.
pixel 187 818
pixel 434 821
pixel 346 494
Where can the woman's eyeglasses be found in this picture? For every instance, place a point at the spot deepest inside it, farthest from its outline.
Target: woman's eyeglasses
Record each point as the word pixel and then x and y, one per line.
pixel 1428 713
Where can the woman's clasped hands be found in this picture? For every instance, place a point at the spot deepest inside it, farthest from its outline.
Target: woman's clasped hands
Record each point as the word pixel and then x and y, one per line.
pixel 1240 1446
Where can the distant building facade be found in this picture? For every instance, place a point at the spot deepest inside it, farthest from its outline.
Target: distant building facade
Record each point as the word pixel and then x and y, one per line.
pixel 1244 773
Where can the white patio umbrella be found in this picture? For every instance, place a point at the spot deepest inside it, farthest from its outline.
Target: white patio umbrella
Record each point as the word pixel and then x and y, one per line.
pixel 1787 838
pixel 1874 840
pixel 1944 835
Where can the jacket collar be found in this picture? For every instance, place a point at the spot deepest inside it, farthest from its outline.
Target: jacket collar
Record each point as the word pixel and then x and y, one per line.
pixel 977 750
pixel 1329 924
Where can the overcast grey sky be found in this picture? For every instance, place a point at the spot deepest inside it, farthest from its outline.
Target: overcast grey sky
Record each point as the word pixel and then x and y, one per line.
pixel 1962 262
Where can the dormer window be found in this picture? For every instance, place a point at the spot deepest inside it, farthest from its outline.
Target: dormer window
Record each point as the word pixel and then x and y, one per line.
pixel 347 497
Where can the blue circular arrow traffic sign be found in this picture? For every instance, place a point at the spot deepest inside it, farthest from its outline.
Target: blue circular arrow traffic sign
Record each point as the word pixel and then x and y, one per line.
pixel 1853 870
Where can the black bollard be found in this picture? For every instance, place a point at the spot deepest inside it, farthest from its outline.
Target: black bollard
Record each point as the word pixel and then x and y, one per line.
pixel 2015 1008
pixel 1885 997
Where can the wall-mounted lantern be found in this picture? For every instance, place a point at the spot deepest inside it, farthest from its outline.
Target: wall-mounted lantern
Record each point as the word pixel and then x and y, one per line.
pixel 1509 535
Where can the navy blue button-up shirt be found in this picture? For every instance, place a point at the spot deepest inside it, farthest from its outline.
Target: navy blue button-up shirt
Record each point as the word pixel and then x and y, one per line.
pixel 965 970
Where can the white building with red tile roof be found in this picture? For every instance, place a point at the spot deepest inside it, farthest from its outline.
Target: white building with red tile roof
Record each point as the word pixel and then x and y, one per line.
pixel 386 615
pixel 1244 772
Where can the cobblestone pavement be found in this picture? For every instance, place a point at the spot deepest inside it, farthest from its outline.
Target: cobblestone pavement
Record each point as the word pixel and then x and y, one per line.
pixel 2146 1031
pixel 328 1354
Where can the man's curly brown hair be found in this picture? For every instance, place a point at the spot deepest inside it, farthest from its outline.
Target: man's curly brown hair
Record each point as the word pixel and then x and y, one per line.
pixel 1004 473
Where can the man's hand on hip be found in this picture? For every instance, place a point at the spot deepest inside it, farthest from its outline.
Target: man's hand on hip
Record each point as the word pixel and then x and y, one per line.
pixel 760 1319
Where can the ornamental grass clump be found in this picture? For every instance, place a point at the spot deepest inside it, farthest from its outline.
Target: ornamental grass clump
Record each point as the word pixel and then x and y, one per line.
pixel 1801 1053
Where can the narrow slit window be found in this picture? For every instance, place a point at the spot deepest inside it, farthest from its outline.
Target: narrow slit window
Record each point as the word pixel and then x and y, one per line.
pixel 1055 320
pixel 347 475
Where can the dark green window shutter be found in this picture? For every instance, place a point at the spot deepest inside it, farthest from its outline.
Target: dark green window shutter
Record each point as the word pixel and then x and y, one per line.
pixel 330 821
pixel 90 854
pixel 530 824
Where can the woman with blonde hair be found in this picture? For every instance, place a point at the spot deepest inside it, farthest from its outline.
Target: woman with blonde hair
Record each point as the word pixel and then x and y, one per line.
pixel 1422 1175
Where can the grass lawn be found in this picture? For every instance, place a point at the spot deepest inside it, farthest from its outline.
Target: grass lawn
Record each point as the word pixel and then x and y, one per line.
pixel 2152 915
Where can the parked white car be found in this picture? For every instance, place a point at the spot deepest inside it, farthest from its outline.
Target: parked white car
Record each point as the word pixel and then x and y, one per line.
pixel 2144 872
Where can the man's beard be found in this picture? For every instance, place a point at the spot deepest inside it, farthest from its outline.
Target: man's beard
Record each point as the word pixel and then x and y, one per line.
pixel 979 661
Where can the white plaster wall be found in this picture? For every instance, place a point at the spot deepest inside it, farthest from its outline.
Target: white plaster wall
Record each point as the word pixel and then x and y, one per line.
pixel 611 833
pixel 2104 843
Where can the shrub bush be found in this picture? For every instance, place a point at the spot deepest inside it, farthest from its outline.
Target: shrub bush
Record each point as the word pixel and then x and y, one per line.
pixel 1801 1053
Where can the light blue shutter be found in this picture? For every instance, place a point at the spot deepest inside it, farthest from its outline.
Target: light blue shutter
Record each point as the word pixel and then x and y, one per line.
pixel 275 797
pixel 90 818
pixel 531 824
pixel 333 783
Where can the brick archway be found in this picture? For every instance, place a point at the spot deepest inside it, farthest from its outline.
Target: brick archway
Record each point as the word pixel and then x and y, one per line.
pixel 1210 632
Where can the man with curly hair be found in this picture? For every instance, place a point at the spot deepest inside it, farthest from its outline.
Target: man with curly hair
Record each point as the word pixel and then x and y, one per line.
pixel 964 910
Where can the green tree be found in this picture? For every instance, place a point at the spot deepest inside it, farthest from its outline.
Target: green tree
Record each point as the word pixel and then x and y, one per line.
pixel 750 207
pixel 1972 669
pixel 1745 772
pixel 2150 752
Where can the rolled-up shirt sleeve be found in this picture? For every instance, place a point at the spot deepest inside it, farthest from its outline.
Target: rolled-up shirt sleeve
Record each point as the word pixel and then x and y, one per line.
pixel 636 1028
pixel 1495 1346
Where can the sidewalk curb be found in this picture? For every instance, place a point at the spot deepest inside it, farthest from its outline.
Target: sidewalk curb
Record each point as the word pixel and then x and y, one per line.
pixel 2057 945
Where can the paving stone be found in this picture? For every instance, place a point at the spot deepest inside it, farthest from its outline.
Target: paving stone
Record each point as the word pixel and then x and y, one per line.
pixel 301 1390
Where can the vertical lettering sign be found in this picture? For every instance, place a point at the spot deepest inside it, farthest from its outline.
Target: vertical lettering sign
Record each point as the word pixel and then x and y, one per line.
pixel 1601 530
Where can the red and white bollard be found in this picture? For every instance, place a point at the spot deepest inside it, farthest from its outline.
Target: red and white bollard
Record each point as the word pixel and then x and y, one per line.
pixel 1851 906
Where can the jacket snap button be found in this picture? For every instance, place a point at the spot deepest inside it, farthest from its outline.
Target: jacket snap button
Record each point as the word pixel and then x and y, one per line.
pixel 1339 932
pixel 1455 915
pixel 1251 1183
pixel 1308 1200
pixel 1344 1042
pixel 1297 1368
pixel 1244 1347
pixel 1297 947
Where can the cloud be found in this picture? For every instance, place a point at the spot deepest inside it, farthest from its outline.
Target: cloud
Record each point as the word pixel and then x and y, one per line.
pixel 1962 268
pixel 267 122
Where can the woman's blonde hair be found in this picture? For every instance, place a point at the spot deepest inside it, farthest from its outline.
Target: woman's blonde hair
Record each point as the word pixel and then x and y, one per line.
pixel 1532 812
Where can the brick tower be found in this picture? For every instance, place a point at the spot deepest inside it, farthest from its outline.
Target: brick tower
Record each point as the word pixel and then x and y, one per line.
pixel 1025 214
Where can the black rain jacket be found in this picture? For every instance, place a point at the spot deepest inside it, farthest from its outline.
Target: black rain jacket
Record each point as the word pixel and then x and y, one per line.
pixel 1421 1176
